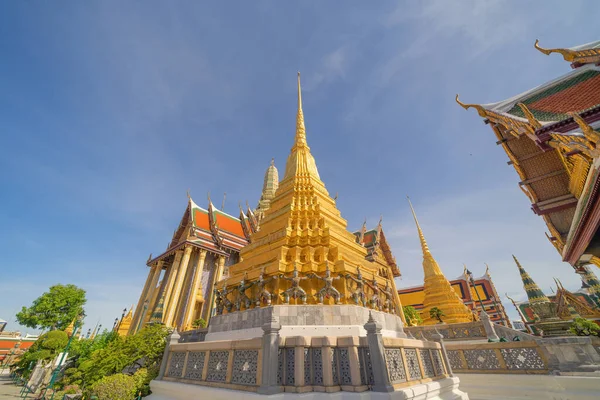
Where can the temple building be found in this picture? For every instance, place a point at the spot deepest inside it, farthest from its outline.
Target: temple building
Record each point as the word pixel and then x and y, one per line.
pixel 473 296
pixel 553 314
pixel 207 241
pixel 13 344
pixel 303 241
pixel 437 290
pixel 550 135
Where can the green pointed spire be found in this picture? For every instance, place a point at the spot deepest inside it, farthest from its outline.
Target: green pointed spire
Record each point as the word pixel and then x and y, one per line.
pixel 534 293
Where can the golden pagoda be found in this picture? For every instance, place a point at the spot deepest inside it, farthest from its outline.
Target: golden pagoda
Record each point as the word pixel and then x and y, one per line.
pixel 125 323
pixel 438 291
pixel 303 234
pixel 70 328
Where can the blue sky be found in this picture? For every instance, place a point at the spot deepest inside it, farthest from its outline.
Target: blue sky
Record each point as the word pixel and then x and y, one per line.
pixel 110 111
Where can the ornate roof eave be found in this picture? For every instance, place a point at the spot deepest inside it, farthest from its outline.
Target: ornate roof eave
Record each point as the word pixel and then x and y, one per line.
pixel 575 57
pixel 171 250
pixel 516 126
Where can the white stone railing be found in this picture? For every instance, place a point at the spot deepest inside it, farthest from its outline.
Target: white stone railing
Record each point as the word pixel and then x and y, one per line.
pixel 306 364
pixel 498 357
pixel 228 364
pixel 460 331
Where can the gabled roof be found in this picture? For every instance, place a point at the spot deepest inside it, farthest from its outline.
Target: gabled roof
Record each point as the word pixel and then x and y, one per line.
pixel 575 91
pixel 210 229
pixel 376 244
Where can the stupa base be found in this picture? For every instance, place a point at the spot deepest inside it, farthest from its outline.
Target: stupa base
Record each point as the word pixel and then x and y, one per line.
pixel 302 320
pixel 444 389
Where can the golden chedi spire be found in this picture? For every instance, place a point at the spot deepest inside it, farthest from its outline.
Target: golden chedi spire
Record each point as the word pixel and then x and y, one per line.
pixel 125 323
pixel 303 227
pixel 70 328
pixel 438 291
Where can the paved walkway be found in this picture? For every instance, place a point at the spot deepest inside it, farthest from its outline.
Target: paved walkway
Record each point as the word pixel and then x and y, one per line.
pixel 7 389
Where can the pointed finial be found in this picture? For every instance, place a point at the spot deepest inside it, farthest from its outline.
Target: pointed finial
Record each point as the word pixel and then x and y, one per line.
pixel 188 194
pixel 480 110
pixel 560 283
pixel 223 203
pixel 421 236
pixel 487 269
pixel 208 196
pixel 299 93
pixel 247 205
pixel 336 196
pixel 273 161
pixel 365 223
pixel 149 258
pixel 465 269
pixel 300 128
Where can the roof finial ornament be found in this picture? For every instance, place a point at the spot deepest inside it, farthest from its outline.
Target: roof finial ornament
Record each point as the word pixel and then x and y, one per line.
pixel 487 269
pixel 530 117
pixel 272 161
pixel 589 132
pixel 188 194
pixel 149 258
pixel 223 202
pixel 208 196
pixel 480 110
pixel 568 55
pixel 336 196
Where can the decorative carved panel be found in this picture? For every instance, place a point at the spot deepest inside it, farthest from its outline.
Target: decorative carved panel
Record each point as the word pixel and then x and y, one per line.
pixel 334 363
pixel 366 368
pixel 317 362
pixel 395 365
pixel 245 367
pixel 344 357
pixel 438 362
pixel 280 366
pixel 290 366
pixel 455 360
pixel 428 370
pixel 523 358
pixel 414 372
pixel 176 364
pixel 195 364
pixel 481 359
pixel 217 366
pixel 307 377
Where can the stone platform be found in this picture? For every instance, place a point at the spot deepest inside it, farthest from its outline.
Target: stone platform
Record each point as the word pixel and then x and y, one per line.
pixel 445 389
pixel 303 320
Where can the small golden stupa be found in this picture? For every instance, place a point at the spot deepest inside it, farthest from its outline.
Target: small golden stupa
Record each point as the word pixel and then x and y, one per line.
pixel 438 291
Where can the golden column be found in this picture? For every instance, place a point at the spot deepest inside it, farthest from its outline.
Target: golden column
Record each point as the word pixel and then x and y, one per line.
pixel 218 274
pixel 176 291
pixel 148 300
pixel 171 279
pixel 438 291
pixel 143 295
pixel 195 290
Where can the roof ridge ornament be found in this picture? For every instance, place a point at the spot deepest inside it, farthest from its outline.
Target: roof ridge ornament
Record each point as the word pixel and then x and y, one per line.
pixel 480 109
pixel 589 132
pixel 568 55
pixel 530 117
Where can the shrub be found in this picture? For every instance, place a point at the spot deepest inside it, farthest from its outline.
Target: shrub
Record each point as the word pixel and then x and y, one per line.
pixel 199 323
pixel 584 327
pixel 115 387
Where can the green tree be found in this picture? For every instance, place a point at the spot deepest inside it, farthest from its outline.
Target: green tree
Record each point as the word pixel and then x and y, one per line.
pixel 199 323
pixel 115 387
pixel 413 318
pixel 45 348
pixel 54 309
pixel 584 327
pixel 436 313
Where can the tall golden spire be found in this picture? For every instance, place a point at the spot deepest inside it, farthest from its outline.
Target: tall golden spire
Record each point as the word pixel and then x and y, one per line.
pixel 300 128
pixel 438 291
pixel 303 230
pixel 300 162
pixel 430 266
